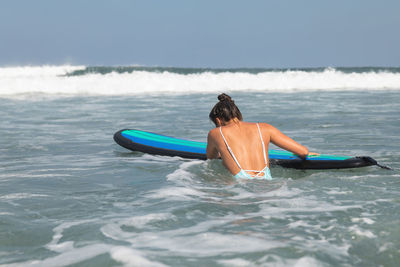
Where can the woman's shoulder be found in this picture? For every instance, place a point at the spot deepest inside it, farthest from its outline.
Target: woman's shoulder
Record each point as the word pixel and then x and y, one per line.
pixel 213 132
pixel 267 127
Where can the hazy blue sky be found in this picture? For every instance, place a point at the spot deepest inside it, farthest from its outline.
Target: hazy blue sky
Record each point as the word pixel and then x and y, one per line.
pixel 201 33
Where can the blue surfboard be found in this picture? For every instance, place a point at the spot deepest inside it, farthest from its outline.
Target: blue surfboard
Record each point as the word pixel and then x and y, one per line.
pixel 157 144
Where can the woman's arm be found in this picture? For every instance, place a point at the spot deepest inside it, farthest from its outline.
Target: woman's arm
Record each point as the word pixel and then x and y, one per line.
pixel 211 151
pixel 287 143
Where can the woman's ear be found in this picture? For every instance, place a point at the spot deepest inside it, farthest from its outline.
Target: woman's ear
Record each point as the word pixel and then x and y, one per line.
pixel 218 122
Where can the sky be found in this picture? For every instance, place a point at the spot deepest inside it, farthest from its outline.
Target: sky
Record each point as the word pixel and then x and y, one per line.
pixel 206 33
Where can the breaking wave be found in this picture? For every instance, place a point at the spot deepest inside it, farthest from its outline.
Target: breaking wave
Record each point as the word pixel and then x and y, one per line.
pixel 81 80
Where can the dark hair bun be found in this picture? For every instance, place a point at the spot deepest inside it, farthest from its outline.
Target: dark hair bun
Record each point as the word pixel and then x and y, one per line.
pixel 225 110
pixel 224 97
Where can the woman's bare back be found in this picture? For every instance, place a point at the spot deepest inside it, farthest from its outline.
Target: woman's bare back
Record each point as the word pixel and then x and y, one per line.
pixel 245 143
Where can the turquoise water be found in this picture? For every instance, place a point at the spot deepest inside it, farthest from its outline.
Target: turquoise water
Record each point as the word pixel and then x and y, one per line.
pixel 71 196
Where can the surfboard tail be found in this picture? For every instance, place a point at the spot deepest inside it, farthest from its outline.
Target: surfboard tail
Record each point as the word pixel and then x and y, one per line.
pixel 374 162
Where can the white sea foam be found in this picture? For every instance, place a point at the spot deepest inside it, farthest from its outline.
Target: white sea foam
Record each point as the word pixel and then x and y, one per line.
pixel 175 193
pixel 20 196
pixel 363 220
pixel 37 71
pixel 72 256
pixel 142 221
pixel 183 172
pixel 307 262
pixel 69 254
pixel 153 159
pixel 126 256
pixel 274 260
pixel 198 239
pixel 279 207
pixel 51 80
pixel 361 232
pixel 58 234
pixel 235 262
pixel 131 257
pixel 202 240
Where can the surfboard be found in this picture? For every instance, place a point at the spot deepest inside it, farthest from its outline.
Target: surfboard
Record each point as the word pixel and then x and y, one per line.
pixel 157 144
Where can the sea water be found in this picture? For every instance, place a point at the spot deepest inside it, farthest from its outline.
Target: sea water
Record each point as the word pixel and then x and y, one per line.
pixel 69 195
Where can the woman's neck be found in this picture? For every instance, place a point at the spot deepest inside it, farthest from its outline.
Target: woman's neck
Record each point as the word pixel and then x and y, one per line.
pixel 232 121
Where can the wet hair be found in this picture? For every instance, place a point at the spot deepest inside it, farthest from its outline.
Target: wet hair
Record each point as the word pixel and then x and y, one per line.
pixel 225 110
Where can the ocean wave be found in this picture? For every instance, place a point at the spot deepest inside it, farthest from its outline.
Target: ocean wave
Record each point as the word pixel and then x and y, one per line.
pixel 80 80
pixel 38 71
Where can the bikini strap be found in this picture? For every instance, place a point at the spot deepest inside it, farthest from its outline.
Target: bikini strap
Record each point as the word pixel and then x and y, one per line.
pixel 229 149
pixel 263 146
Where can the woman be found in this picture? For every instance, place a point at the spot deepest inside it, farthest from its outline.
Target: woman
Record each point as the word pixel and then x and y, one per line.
pixel 243 146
